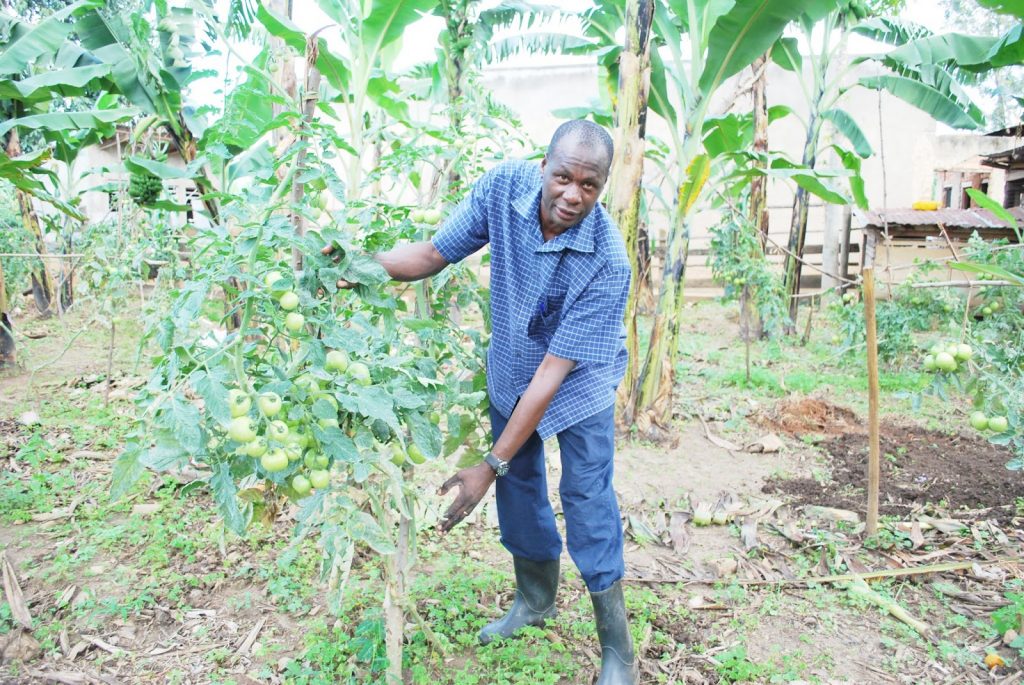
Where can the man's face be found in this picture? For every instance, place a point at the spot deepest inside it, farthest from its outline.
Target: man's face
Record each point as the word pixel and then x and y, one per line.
pixel 573 176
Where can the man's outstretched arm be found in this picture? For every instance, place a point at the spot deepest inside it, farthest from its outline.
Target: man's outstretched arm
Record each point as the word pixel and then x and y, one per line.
pixel 406 262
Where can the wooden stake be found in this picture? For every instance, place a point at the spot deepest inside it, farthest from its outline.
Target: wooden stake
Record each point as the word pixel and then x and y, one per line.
pixel 873 448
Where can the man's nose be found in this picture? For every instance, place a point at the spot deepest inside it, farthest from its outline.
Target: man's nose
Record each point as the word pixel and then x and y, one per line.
pixel 572 193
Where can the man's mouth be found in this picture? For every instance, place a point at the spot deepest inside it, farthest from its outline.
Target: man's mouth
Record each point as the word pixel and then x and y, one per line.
pixel 565 214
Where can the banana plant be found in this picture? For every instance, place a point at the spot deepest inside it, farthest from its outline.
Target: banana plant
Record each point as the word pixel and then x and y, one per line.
pixel 721 39
pixel 925 70
pixel 38 65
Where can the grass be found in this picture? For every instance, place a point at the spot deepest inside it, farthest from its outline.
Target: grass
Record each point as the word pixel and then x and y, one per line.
pixel 128 564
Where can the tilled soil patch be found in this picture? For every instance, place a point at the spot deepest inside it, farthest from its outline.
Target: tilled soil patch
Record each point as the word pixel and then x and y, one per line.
pixel 918 466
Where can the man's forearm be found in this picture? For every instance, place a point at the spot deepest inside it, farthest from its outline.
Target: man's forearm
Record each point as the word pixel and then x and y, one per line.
pixel 532 405
pixel 412 261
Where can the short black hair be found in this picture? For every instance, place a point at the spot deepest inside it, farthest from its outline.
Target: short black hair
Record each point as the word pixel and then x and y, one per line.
pixel 586 132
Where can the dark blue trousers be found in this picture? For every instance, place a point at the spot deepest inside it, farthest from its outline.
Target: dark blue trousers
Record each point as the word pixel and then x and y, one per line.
pixel 593 527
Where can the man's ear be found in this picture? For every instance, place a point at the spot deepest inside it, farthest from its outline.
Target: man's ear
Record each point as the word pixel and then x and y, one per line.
pixel 543 162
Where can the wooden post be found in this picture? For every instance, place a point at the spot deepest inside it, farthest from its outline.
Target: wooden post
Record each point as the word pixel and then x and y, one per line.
pixel 874 473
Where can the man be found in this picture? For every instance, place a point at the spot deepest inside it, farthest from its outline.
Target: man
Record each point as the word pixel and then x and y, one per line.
pixel 559 284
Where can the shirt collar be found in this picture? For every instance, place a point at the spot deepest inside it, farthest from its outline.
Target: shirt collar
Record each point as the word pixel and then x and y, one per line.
pixel 579 238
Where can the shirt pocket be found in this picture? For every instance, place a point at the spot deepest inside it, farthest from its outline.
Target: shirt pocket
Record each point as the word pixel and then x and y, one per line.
pixel 545 319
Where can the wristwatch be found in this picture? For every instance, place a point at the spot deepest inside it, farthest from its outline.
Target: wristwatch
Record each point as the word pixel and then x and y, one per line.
pixel 500 467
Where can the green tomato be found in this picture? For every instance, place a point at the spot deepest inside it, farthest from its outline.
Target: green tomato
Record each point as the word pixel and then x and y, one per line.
pixel 279 431
pixel 995 306
pixel 929 362
pixel 275 460
pixel 239 403
pixel 360 373
pixel 947 308
pixel 979 421
pixel 271 278
pixel 397 454
pixel 987 311
pixel 416 216
pixel 308 383
pixel 301 485
pixel 319 478
pixel 269 403
pixel 289 301
pixel 998 424
pixel 327 397
pixel 963 352
pixel 836 340
pixel 944 361
pixel 293 451
pixel 257 448
pixel 432 216
pixel 415 455
pixel 294 322
pixel 242 429
pixel 336 361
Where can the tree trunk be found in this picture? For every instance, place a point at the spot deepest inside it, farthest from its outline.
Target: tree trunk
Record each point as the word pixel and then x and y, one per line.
pixel 43 286
pixel 798 223
pixel 310 95
pixel 751 325
pixel 7 356
pixel 759 184
pixel 654 397
pixel 458 36
pixel 626 175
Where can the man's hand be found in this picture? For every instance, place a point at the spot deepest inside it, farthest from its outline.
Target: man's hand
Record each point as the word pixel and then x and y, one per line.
pixel 473 483
pixel 342 284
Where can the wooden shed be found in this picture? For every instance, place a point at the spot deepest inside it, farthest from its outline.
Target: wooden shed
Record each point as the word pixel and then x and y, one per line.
pixel 901 238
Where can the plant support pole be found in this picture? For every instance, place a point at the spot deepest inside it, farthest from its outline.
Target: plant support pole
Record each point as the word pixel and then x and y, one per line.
pixel 873 448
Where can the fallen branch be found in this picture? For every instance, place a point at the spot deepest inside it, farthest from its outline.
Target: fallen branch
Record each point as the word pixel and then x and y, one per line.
pixel 858 588
pixel 848 577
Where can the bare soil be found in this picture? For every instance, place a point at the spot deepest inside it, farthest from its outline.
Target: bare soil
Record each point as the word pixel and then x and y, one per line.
pixel 958 473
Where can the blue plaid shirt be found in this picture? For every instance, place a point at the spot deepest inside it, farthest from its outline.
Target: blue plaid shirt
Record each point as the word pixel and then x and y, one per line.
pixel 566 297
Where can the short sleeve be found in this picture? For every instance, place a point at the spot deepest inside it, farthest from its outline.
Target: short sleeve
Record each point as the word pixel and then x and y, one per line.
pixel 591 329
pixel 466 229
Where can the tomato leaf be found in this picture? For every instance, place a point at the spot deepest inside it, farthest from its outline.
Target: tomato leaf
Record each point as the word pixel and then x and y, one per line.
pixel 210 387
pixel 127 471
pixel 425 434
pixel 165 455
pixel 363 528
pixel 374 403
pixel 185 422
pixel 225 494
pixel 336 444
pixel 407 399
pixel 364 269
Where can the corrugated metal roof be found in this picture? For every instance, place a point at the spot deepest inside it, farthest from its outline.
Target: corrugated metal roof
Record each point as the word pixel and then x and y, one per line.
pixel 1007 159
pixel 950 218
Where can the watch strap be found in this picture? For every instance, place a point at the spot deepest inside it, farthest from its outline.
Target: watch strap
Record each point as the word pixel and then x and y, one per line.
pixel 499 466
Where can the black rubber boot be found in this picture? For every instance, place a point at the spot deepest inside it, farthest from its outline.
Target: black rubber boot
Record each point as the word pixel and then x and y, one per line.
pixel 536 585
pixel 618 664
